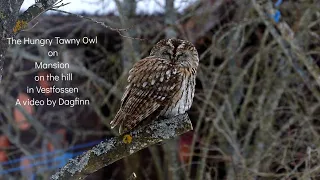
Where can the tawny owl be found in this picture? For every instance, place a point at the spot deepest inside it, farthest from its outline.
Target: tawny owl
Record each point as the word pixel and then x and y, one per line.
pixel 161 84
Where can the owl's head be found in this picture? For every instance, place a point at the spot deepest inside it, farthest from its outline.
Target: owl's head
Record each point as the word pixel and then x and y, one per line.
pixel 176 50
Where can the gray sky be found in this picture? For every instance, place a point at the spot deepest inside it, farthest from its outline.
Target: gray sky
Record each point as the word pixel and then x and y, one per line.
pixel 105 6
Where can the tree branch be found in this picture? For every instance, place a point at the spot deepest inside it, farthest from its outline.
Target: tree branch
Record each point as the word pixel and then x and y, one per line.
pixel 8 16
pixel 34 11
pixel 11 22
pixel 119 147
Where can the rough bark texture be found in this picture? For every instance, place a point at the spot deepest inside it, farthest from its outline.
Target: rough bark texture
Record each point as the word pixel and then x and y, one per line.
pixel 8 15
pixel 119 147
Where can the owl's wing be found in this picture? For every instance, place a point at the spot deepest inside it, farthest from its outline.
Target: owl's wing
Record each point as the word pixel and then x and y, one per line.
pixel 152 84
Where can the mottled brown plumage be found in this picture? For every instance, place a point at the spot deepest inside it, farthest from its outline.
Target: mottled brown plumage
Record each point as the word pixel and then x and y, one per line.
pixel 161 84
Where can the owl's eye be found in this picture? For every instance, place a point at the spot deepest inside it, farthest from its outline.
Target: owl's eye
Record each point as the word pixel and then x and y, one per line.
pixel 182 55
pixel 166 53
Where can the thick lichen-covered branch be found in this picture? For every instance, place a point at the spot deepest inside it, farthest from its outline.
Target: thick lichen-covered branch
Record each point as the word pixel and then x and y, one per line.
pixel 119 147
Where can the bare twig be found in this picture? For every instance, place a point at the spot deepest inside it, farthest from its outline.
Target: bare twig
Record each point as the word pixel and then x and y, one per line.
pixel 118 30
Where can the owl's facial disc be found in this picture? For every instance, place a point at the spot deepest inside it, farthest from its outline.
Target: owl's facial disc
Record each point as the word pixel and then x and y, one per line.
pixel 176 45
pixel 167 54
pixel 175 50
pixel 180 56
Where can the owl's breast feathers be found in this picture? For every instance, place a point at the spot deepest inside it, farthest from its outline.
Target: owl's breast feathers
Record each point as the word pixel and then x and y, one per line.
pixel 182 100
pixel 154 84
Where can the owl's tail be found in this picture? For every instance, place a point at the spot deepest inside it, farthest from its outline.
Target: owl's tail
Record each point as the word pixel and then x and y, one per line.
pixel 116 120
pixel 119 120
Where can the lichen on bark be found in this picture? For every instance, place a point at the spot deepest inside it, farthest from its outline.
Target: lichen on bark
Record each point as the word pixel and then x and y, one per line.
pixel 116 148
